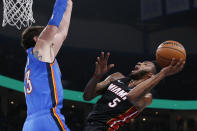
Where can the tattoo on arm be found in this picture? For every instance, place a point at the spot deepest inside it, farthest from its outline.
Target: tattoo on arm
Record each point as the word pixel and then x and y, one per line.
pixel 37 56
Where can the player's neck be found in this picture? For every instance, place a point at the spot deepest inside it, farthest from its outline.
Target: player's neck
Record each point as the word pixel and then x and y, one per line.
pixel 138 81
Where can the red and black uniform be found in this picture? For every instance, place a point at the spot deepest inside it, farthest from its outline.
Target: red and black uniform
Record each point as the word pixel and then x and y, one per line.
pixel 113 109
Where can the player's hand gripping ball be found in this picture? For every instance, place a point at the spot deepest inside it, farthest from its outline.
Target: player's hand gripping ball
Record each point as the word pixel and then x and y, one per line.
pixel 168 50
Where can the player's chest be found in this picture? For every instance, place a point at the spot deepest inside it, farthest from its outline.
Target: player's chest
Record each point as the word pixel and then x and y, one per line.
pixel 116 94
pixel 118 89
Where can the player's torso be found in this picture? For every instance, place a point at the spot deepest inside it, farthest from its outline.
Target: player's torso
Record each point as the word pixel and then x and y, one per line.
pixel 43 88
pixel 114 105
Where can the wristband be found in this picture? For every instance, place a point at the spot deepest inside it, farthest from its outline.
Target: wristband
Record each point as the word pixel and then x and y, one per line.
pixel 58 12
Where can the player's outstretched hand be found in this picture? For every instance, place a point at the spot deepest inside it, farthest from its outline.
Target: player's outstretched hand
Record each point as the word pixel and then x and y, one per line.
pixel 102 66
pixel 174 67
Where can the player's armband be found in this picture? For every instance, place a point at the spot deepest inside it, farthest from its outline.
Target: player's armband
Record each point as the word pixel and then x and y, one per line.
pixel 58 12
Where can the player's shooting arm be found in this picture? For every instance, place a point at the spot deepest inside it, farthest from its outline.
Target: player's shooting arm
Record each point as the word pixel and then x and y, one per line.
pixel 144 87
pixel 95 88
pixel 43 49
pixel 137 93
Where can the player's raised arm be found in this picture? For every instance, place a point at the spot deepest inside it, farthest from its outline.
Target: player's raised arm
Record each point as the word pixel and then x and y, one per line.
pixel 43 49
pixel 63 29
pixel 94 87
pixel 136 95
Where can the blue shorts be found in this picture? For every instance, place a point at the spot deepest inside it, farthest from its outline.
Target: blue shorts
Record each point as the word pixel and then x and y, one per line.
pixel 45 121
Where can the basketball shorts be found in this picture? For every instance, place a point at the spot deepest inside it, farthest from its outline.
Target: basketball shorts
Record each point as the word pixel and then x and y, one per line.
pixel 45 121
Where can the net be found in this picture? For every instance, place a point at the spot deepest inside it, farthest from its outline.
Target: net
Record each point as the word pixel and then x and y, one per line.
pixel 18 13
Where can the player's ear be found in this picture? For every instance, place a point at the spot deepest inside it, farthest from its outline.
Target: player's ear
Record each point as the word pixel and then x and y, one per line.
pixel 35 38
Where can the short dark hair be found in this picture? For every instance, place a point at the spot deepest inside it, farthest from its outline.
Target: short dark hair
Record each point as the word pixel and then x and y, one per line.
pixel 28 34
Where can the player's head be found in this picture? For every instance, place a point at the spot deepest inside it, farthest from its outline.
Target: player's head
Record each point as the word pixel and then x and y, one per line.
pixel 30 35
pixel 146 68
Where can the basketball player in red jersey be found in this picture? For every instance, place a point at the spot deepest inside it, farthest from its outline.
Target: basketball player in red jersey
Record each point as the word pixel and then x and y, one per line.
pixel 123 98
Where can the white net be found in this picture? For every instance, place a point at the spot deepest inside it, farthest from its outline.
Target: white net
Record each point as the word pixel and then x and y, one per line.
pixel 18 13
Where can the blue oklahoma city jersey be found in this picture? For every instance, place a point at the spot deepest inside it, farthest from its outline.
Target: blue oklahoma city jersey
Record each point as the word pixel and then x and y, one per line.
pixel 43 88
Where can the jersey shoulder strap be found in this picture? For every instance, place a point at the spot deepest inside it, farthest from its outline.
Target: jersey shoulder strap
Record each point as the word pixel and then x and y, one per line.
pixel 126 80
pixel 32 58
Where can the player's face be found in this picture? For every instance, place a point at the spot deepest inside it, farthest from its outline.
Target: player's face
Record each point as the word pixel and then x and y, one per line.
pixel 143 67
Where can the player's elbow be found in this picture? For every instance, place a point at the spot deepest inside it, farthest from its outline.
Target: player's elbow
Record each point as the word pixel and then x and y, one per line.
pixel 86 97
pixel 145 101
pixel 134 99
pixel 63 34
pixel 148 99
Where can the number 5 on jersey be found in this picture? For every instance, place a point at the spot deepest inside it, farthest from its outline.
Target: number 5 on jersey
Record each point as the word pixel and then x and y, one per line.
pixel 114 103
pixel 29 88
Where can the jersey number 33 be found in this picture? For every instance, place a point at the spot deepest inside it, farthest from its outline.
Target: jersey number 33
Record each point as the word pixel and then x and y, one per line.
pixel 29 87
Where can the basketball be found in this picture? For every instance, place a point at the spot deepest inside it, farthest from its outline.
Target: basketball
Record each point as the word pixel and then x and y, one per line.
pixel 168 50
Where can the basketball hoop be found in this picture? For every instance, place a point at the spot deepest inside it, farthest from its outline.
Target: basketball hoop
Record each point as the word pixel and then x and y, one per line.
pixel 18 13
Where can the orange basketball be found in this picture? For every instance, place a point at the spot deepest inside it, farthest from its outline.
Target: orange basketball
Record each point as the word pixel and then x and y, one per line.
pixel 168 50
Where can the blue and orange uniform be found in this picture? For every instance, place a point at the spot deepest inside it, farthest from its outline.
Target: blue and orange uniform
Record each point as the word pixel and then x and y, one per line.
pixel 44 96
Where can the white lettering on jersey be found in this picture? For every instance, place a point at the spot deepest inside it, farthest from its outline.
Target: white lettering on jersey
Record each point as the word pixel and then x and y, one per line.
pixel 122 94
pixel 118 91
pixel 111 87
pixel 28 82
pixel 114 103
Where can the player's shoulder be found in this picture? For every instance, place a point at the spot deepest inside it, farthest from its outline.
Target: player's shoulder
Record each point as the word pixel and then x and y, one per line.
pixel 33 57
pixel 116 76
pixel 29 50
pixel 44 52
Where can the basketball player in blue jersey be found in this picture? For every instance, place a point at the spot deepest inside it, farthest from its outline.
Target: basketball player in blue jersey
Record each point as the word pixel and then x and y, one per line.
pixel 123 98
pixel 42 82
